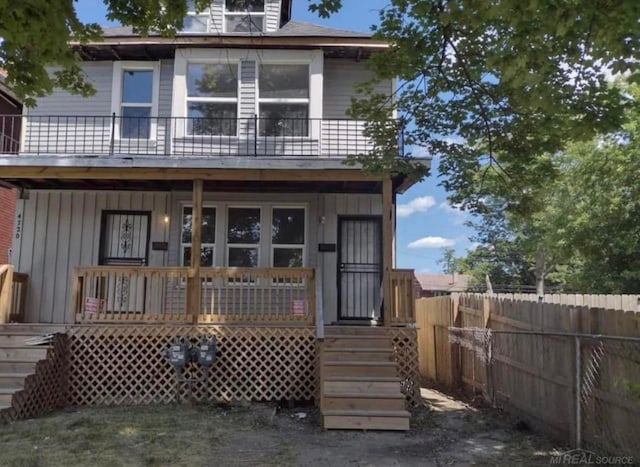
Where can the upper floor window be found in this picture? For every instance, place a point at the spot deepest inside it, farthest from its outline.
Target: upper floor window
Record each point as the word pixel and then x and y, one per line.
pixel 196 21
pixel 135 99
pixel 212 99
pixel 244 16
pixel 284 99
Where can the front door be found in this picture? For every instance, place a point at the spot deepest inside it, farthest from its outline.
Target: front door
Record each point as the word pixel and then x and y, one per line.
pixel 124 241
pixel 360 268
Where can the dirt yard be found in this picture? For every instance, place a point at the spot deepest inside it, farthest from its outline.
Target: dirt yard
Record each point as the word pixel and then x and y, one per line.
pixel 444 432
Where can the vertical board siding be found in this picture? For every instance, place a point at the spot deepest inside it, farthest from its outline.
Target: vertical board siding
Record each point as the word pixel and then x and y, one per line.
pixel 61 229
pixel 334 205
pixel 340 77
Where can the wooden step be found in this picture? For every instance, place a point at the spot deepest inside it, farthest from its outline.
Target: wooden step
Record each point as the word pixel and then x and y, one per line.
pixel 33 328
pixel 6 395
pixel 17 366
pixel 387 385
pixel 359 368
pixel 366 419
pixel 9 339
pixel 13 380
pixel 378 342
pixel 363 401
pixel 367 354
pixel 355 331
pixel 24 353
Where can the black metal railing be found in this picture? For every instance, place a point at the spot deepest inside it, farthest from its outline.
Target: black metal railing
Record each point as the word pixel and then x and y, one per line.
pixel 201 137
pixel 10 133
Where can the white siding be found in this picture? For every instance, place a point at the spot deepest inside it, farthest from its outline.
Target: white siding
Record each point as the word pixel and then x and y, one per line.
pixel 99 74
pixel 330 207
pixel 60 230
pixel 340 77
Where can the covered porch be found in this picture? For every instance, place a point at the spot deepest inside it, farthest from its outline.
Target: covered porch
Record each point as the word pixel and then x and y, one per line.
pixel 304 247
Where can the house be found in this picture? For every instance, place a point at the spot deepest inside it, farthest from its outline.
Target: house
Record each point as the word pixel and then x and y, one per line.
pixel 202 191
pixel 436 285
pixel 10 105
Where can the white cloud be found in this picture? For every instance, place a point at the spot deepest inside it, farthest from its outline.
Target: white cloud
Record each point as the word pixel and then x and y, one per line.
pixel 421 204
pixel 432 242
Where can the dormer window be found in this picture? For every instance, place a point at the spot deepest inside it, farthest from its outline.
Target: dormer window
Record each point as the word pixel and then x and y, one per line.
pixel 244 16
pixel 195 21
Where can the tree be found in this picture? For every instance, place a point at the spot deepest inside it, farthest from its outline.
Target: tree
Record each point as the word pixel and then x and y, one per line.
pixel 448 261
pixel 36 35
pixel 581 233
pixel 490 86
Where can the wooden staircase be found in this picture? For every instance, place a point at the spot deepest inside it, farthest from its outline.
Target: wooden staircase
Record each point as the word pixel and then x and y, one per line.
pixel 18 358
pixel 360 389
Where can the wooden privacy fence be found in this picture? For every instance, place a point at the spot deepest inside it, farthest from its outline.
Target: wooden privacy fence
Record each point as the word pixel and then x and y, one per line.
pixel 610 302
pixel 13 295
pixel 238 295
pixel 573 371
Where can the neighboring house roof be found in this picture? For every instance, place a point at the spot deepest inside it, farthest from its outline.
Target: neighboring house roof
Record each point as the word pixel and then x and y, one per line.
pixel 291 29
pixel 444 282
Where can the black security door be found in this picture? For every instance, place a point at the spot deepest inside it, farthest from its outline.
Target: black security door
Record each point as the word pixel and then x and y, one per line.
pixel 359 268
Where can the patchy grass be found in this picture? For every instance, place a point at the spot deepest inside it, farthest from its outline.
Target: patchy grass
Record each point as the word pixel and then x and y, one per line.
pixel 145 436
pixel 443 432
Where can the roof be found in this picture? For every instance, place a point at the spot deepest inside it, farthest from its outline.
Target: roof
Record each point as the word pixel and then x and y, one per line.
pixel 444 282
pixel 290 29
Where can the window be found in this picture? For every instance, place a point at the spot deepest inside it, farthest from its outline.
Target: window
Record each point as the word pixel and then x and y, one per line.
pixel 196 21
pixel 136 103
pixel 208 240
pixel 284 100
pixel 287 237
pixel 244 16
pixel 212 99
pixel 243 237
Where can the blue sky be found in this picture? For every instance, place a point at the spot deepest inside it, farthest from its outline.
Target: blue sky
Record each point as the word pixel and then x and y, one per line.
pixel 426 223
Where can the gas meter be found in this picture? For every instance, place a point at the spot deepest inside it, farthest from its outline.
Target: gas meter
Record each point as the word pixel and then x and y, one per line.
pixel 182 352
pixel 207 351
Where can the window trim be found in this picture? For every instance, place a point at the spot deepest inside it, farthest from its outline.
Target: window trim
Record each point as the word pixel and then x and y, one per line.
pixel 226 13
pixel 254 246
pixel 303 246
pixel 220 100
pixel 314 58
pixel 119 67
pixel 182 245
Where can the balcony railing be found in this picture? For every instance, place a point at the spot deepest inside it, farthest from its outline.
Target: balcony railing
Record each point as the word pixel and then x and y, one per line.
pixel 199 137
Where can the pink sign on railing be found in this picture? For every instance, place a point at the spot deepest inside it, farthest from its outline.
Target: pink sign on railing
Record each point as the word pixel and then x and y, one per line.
pixel 93 305
pixel 297 308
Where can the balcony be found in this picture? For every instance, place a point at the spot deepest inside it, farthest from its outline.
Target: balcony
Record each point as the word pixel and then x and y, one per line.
pixel 82 136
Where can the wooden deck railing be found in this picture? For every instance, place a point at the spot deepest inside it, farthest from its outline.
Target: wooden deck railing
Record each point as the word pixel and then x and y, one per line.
pixel 13 295
pixel 19 298
pixel 403 300
pixel 228 295
pixel 249 295
pixel 105 293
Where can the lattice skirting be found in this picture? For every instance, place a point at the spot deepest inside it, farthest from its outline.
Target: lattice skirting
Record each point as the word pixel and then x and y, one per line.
pixel 405 345
pixel 115 364
pixel 46 389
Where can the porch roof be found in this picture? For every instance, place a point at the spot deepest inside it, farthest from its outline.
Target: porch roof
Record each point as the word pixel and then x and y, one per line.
pixel 224 174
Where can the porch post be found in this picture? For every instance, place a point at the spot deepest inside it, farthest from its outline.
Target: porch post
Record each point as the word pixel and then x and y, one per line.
pixel 194 300
pixel 387 248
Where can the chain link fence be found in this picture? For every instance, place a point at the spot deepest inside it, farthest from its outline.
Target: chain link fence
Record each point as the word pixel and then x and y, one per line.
pixel 580 388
